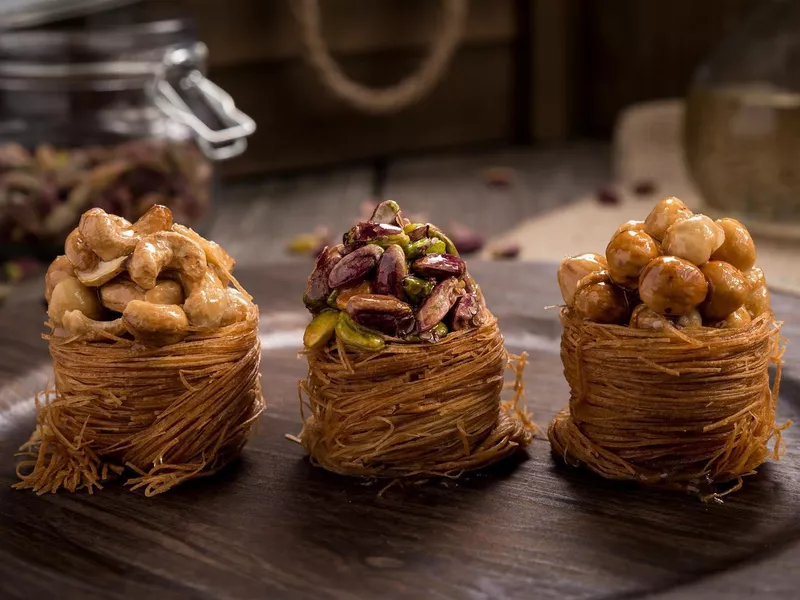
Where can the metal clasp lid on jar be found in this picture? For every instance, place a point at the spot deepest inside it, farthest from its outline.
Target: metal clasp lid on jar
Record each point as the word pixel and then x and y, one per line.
pixel 180 76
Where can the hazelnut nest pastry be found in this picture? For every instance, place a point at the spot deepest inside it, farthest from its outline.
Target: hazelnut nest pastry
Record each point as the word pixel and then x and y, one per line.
pixel 155 353
pixel 667 344
pixel 406 363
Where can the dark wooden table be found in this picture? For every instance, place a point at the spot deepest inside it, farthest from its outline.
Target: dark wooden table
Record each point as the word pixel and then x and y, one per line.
pixel 273 526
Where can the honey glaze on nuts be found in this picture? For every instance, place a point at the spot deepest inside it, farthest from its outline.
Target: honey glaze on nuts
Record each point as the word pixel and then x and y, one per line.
pixel 675 270
pixel 598 299
pixel 391 280
pixel 574 268
pixel 672 286
pixel 727 289
pixel 152 281
pixel 627 254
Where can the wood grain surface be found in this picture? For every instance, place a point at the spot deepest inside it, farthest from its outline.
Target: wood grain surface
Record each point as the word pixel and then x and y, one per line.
pixel 273 526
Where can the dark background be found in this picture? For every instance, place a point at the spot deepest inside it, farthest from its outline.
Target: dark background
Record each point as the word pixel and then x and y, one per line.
pixel 527 71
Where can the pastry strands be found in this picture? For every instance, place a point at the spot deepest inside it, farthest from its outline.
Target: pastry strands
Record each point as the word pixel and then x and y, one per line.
pixel 414 409
pixel 169 414
pixel 685 410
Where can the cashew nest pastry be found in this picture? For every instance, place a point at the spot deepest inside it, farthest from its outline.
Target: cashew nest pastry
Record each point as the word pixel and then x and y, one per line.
pixel 155 353
pixel 405 363
pixel 667 345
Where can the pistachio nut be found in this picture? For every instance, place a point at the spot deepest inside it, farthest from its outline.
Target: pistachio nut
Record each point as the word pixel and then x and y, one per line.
pixel 438 304
pixel 317 288
pixel 383 313
pixel 374 233
pixel 350 334
pixel 355 267
pixel 387 213
pixel 418 248
pixel 465 312
pixel 439 266
pixel 437 247
pixel 321 329
pixel 417 231
pixel 417 289
pixel 423 246
pixel 392 269
pixel 339 298
pixel 434 335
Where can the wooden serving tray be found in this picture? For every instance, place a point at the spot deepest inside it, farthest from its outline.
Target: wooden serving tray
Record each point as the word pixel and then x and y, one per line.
pixel 273 526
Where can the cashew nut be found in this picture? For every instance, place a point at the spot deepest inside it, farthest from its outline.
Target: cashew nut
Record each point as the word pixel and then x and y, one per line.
pixel 104 236
pixel 77 323
pixel 215 254
pixel 206 300
pixel 78 253
pixel 116 295
pixel 166 250
pixel 59 269
pixel 110 236
pixel 71 294
pixel 155 324
pixel 103 272
pixel 157 218
pixel 238 308
pixel 165 292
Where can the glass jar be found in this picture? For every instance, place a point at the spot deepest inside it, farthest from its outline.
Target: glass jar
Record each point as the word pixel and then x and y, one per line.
pixel 742 129
pixel 110 110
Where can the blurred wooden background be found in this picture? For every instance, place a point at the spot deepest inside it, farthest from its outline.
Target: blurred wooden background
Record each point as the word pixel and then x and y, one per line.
pixel 527 70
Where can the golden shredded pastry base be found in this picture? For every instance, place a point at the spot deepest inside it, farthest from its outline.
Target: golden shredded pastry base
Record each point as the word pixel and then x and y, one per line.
pixel 684 410
pixel 414 409
pixel 169 414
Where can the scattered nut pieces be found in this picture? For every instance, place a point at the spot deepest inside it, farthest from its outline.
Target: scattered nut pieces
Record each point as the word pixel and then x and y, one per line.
pixel 645 187
pixel 508 251
pixel 54 186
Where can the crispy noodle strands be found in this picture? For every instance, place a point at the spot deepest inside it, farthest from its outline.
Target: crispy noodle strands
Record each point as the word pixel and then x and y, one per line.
pixel 169 414
pixel 415 409
pixel 667 410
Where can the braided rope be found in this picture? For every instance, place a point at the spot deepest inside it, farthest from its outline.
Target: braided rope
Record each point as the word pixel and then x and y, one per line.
pixel 396 97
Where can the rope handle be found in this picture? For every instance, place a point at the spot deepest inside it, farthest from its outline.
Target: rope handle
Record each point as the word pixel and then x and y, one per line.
pixel 393 98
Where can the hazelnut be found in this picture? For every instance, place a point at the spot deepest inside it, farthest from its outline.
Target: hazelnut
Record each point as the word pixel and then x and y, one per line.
pixel 727 290
pixel 672 286
pixel 598 299
pixel 737 319
pixel 690 320
pixel 627 254
pixel 664 214
pixel 644 317
pixel 631 225
pixel 694 239
pixel 574 268
pixel 758 301
pixel 755 277
pixel 738 248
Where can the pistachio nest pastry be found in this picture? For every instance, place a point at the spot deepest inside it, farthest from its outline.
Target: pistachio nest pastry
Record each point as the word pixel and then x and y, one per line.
pixel 406 364
pixel 155 353
pixel 667 344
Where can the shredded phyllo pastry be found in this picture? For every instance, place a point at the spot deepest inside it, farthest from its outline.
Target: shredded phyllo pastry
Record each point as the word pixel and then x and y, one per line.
pixel 155 358
pixel 406 365
pixel 667 346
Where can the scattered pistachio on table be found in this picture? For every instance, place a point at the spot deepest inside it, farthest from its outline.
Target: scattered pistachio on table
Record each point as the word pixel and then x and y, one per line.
pixel 390 280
